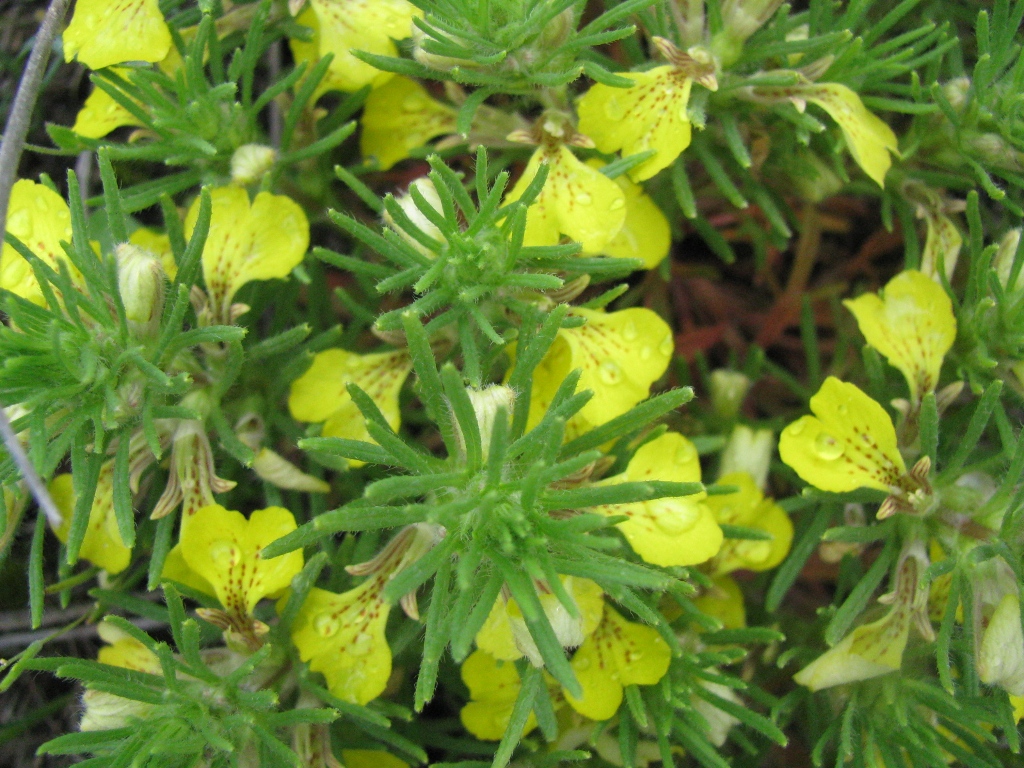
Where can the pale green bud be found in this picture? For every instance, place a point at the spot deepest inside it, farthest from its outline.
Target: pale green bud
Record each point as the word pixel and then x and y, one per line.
pixel 749 450
pixel 1001 653
pixel 728 389
pixel 250 162
pixel 487 403
pixel 956 91
pixel 1002 263
pixel 426 188
pixel 140 281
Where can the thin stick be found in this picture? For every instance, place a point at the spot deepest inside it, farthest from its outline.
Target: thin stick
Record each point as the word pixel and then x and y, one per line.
pixel 10 153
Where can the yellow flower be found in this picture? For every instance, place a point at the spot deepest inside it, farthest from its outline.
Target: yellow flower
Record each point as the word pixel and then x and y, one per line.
pixel 868 138
pixel 506 637
pixel 342 26
pixel 257 241
pixel 620 355
pixel 675 531
pixel 342 635
pixel 493 688
pixel 107 32
pixel 911 324
pixel 577 201
pixel 619 653
pixel 40 219
pixel 869 651
pixel 877 648
pixel 321 393
pixel 101 114
pixel 223 548
pixel 399 116
pixel 649 115
pixel 724 601
pixel 749 508
pixel 645 233
pixel 849 443
pixel 105 711
pixel 102 544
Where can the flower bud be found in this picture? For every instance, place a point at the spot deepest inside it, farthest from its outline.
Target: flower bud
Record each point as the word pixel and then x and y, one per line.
pixel 250 162
pixel 728 388
pixel 956 91
pixel 105 711
pixel 424 187
pixel 1001 654
pixel 486 403
pixel 570 631
pixel 140 281
pixel 1002 263
pixel 748 450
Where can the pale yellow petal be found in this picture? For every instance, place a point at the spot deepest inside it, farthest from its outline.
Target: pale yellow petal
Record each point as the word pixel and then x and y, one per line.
pixel 912 324
pixel 868 137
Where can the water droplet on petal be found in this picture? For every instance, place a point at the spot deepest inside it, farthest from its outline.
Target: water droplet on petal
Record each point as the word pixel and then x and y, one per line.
pixel 583 663
pixel 40 204
pixel 645 353
pixel 19 224
pixel 629 331
pixel 796 428
pixel 224 553
pixel 827 447
pixel 667 346
pixel 583 198
pixel 673 517
pixel 616 204
pixel 684 453
pixel 362 643
pixel 326 625
pixel 609 372
pixel 841 408
pixel 614 108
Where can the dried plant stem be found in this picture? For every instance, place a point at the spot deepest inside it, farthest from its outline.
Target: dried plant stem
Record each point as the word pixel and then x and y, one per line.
pixel 10 152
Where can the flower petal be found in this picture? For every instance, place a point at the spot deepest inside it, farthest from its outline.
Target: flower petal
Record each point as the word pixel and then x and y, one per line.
pixel 619 653
pixel 868 137
pixel 40 219
pixel 224 548
pixel 107 32
pixel 748 507
pixel 620 355
pixel 102 544
pixel 672 531
pixel 342 636
pixel 911 324
pixel 344 26
pixel 101 114
pixel 399 116
pixel 577 201
pixel 321 393
pixel 649 115
pixel 493 689
pixel 850 443
pixel 264 240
